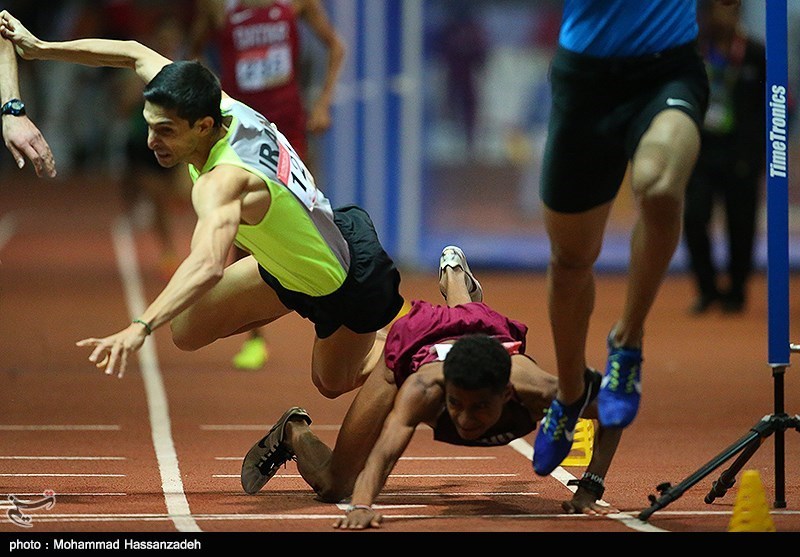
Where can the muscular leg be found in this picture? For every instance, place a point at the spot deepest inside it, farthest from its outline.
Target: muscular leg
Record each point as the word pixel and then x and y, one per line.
pixel 237 303
pixel 661 168
pixel 340 363
pixel 455 286
pixel 576 240
pixel 332 473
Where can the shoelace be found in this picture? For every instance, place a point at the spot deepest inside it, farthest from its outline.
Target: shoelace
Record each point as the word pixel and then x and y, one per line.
pixel 273 460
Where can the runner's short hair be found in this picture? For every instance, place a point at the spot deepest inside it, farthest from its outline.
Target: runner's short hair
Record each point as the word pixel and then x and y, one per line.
pixel 188 88
pixel 478 361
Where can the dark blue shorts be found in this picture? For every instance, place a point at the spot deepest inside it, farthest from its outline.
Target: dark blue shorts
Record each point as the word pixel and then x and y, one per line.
pixel 601 108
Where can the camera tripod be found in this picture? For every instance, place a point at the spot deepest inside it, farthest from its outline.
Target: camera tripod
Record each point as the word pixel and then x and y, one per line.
pixel 776 423
pixel 777 288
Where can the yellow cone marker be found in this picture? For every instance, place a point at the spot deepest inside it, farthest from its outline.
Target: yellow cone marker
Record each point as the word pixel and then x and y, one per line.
pixel 582 444
pixel 751 512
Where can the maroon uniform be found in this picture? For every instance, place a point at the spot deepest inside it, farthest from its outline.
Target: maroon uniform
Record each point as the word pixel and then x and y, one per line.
pixel 411 342
pixel 259 54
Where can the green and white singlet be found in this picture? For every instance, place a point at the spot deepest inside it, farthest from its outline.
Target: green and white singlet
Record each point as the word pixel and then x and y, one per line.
pixel 297 241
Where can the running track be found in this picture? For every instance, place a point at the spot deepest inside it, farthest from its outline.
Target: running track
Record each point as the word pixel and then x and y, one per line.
pixel 160 450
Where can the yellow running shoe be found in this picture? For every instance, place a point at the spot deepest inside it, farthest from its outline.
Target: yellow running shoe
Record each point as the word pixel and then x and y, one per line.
pixel 253 355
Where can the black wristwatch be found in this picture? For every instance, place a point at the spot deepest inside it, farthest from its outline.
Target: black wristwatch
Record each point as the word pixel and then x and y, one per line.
pixel 14 107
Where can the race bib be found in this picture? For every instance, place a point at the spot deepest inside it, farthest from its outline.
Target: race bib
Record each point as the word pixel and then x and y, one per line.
pixel 292 171
pixel 264 67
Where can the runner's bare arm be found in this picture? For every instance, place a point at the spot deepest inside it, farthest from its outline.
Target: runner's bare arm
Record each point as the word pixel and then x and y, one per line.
pixel 218 207
pixel 89 52
pixel 313 13
pixel 219 210
pixel 20 134
pixel 412 406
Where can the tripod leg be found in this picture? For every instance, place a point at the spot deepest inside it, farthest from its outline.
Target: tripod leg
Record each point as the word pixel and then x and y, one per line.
pixel 672 493
pixel 749 443
pixel 780 474
pixel 728 477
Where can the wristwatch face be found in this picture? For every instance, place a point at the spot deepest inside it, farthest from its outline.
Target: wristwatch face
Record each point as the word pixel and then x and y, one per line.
pixel 14 107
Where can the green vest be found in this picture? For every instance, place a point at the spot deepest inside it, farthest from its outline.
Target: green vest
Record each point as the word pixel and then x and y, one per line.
pixel 297 241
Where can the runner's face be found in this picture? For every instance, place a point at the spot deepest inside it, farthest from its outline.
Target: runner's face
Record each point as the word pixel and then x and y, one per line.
pixel 170 137
pixel 473 411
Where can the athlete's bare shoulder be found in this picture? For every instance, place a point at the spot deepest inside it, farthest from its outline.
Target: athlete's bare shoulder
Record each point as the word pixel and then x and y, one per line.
pixel 422 394
pixel 430 375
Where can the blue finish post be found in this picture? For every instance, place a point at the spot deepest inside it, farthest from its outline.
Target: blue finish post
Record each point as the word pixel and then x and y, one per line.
pixel 777 145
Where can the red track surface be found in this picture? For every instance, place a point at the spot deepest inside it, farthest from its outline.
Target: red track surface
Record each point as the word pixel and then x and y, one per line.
pixel 706 383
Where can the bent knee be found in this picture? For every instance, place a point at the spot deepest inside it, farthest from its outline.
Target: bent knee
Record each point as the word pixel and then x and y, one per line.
pixel 332 389
pixel 656 183
pixel 567 262
pixel 182 337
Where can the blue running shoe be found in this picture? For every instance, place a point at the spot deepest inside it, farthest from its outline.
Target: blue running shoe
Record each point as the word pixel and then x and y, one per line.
pixel 621 389
pixel 554 438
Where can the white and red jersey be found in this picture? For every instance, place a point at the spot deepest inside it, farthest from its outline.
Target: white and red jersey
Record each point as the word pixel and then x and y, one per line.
pixel 259 49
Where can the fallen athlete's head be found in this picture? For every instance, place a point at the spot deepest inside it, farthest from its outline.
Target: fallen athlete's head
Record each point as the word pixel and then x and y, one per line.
pixel 477 372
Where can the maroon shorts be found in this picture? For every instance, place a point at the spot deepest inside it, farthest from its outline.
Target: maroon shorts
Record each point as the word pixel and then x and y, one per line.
pixel 410 339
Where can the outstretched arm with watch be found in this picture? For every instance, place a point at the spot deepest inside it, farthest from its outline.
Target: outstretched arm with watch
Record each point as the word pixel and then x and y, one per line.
pixel 20 135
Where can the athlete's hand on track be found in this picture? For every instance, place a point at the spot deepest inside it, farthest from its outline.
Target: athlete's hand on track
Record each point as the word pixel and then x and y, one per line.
pixel 585 503
pixel 112 352
pixel 359 519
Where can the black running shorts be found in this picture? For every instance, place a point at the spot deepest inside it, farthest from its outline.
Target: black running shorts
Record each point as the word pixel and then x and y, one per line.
pixel 370 296
pixel 601 108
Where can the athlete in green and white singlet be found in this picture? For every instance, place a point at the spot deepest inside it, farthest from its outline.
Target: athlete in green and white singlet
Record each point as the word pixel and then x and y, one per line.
pixel 297 241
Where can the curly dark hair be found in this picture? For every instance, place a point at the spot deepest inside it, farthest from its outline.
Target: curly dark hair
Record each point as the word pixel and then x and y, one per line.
pixel 478 361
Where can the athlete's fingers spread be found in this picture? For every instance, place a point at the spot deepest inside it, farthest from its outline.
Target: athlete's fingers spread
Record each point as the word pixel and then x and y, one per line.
pixel 112 363
pixel 123 364
pixel 346 523
pixel 87 342
pixel 20 160
pixel 94 357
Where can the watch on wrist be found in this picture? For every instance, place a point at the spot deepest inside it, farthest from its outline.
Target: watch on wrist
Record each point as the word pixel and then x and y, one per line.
pixel 14 107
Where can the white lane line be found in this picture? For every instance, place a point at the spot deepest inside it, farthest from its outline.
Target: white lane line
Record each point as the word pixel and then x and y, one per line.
pixel 58 496
pixel 66 494
pixel 59 427
pixel 265 428
pixel 459 494
pixel 160 424
pixel 238 476
pixel 58 475
pixel 448 458
pixel 62 458
pixel 524 448
pixel 436 458
pixel 41 517
pixel 378 507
